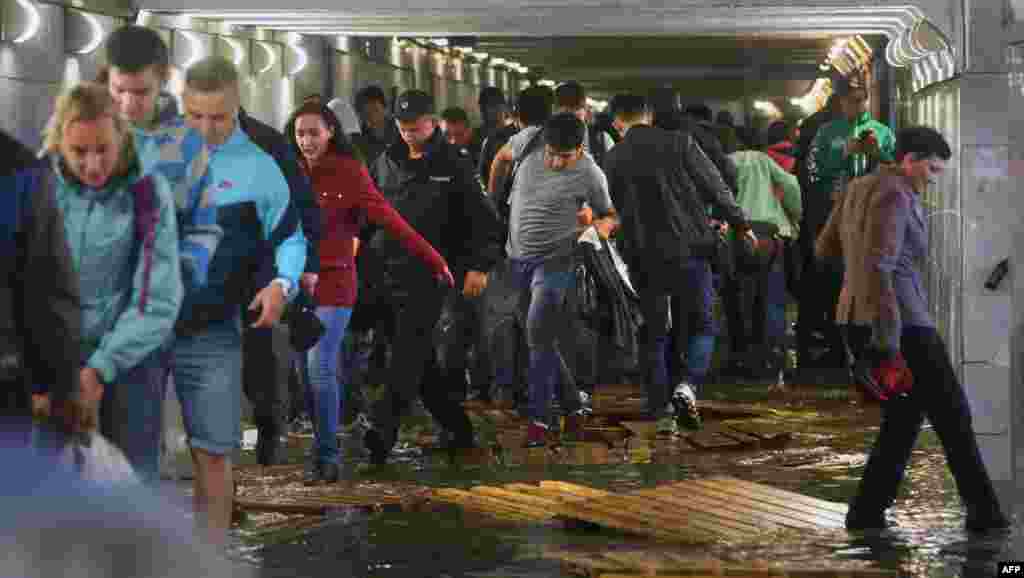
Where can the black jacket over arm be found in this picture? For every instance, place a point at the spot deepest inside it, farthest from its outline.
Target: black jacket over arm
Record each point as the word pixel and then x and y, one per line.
pixel 661 183
pixel 303 207
pixel 40 303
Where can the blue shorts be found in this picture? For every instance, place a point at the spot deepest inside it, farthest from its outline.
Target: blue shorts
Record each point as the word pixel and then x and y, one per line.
pixel 207 370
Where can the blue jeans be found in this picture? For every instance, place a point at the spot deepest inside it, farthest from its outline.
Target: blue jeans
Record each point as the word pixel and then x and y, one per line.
pixel 208 376
pixel 678 311
pixel 756 307
pixel 325 386
pixel 131 414
pixel 544 285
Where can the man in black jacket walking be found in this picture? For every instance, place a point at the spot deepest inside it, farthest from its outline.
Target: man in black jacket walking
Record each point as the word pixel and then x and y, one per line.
pixel 662 182
pixel 436 190
pixel 266 353
pixel 40 309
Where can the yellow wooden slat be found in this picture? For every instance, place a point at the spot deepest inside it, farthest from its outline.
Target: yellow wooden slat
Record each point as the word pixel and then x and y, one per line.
pixel 777 504
pixel 726 509
pixel 764 489
pixel 683 513
pixel 640 516
pixel 785 515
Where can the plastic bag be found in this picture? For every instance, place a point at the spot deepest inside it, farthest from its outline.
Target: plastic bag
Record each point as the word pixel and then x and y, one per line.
pixel 97 460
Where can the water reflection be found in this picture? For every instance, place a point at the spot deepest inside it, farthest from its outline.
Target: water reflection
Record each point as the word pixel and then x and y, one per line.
pixel 824 459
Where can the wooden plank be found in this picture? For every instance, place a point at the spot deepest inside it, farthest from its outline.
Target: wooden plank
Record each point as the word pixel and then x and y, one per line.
pixel 752 507
pixel 485 504
pixel 574 489
pixel 785 502
pixel 773 491
pixel 634 523
pixel 640 516
pixel 541 502
pixel 687 513
pixel 710 440
pixel 726 506
pixel 799 514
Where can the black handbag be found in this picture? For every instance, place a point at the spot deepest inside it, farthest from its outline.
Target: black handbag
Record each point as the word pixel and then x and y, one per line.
pixel 304 327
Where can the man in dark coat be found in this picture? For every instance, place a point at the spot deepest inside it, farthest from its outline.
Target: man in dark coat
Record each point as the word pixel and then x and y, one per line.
pixel 662 183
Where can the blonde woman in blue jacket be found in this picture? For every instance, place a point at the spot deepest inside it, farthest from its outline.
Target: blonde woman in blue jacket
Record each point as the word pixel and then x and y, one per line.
pixel 123 239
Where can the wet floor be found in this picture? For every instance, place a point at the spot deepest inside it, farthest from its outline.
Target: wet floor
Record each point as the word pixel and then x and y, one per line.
pixel 824 459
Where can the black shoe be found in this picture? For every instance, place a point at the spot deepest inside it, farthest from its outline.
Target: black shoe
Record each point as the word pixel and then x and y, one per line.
pixel 857 522
pixel 375 447
pixel 979 523
pixel 268 447
pixel 329 472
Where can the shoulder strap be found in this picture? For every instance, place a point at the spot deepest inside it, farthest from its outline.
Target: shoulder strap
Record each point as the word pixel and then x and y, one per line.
pixel 531 145
pixel 146 217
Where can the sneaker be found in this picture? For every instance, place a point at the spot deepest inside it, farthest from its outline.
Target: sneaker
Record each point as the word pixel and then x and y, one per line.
pixel 586 405
pixel 536 435
pixel 684 402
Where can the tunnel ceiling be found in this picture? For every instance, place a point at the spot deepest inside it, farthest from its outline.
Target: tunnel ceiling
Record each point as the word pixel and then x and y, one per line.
pixel 711 49
pixel 699 67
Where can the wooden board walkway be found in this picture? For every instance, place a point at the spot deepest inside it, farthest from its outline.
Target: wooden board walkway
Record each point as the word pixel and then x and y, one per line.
pixel 693 511
pixel 280 489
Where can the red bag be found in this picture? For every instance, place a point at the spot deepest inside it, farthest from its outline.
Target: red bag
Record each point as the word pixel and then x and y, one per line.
pixel 884 377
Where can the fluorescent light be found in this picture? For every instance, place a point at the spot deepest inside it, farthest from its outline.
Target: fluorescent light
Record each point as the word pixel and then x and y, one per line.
pixel 97 34
pixel 33 21
pixel 237 48
pixel 442 42
pixel 303 57
pixel 480 55
pixel 497 61
pixel 271 57
pixel 196 48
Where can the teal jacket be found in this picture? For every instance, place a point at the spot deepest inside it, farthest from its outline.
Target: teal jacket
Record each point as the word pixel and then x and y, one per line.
pixel 757 176
pixel 106 252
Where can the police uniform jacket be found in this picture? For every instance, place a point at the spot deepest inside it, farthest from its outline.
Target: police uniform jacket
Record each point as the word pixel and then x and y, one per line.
pixel 441 198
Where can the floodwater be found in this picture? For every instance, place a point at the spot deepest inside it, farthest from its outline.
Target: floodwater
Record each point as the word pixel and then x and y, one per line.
pixel 824 459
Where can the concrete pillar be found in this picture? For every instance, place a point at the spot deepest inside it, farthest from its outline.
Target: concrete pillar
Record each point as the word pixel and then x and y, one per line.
pixel 990 210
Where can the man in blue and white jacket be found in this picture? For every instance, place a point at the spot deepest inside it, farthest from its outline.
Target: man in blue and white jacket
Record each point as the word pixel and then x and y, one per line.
pixel 232 199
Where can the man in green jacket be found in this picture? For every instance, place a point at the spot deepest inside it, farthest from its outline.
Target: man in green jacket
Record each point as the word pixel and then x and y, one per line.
pixel 848 147
pixel 770 197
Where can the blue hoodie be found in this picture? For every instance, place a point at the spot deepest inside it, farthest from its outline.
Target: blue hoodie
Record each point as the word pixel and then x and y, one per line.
pixel 216 189
pixel 107 255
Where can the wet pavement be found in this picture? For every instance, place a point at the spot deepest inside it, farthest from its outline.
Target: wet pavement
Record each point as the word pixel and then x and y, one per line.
pixel 824 459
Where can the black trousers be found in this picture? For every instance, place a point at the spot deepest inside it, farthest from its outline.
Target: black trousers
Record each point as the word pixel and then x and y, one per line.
pixel 821 282
pixel 266 368
pixel 413 309
pixel 466 353
pixel 937 395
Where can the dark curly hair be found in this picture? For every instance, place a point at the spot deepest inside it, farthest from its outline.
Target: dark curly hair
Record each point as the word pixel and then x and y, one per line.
pixel 339 143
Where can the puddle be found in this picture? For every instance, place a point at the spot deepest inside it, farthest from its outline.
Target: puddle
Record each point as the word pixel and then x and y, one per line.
pixel 824 459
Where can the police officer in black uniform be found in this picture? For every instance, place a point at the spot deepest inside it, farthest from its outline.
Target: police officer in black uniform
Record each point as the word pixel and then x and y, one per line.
pixel 436 190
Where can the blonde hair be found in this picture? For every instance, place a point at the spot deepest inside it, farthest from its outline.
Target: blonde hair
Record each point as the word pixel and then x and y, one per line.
pixel 86 102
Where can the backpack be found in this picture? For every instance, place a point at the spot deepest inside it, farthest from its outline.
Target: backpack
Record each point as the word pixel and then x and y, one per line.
pixel 506 200
pixel 597 144
pixel 147 215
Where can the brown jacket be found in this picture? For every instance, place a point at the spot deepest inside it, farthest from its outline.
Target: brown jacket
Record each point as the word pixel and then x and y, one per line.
pixel 846 235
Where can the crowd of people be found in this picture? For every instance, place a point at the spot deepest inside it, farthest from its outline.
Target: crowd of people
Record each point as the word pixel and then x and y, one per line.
pixel 158 248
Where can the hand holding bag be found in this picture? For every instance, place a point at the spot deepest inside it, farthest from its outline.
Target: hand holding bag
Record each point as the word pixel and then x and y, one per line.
pixel 304 327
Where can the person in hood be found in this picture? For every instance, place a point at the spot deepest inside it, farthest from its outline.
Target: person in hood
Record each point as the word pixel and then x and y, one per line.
pixel 131 293
pixel 346 196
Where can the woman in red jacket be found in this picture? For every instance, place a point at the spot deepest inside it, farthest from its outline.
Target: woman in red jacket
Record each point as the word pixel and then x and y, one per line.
pixel 345 193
